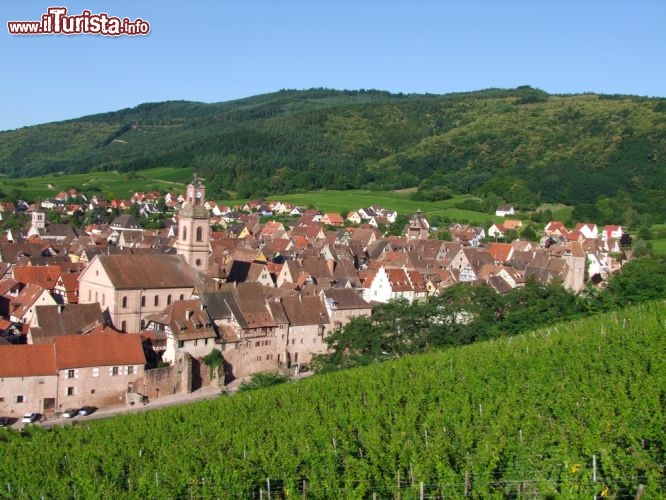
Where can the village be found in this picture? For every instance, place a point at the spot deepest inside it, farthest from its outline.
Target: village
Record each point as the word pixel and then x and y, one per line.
pixel 116 314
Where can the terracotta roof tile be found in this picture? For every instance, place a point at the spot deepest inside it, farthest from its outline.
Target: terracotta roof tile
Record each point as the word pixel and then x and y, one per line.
pixel 27 360
pixel 101 348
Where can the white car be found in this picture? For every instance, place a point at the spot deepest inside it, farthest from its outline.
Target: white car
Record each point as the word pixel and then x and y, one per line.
pixel 30 418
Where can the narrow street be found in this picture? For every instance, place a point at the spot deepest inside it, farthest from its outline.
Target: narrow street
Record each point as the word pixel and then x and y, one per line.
pixel 155 404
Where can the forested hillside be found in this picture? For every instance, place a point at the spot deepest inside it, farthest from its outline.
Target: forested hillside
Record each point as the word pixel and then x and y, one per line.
pixel 571 410
pixel 603 153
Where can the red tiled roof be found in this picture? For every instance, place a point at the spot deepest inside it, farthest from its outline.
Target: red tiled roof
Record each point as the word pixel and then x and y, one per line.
pixel 44 276
pixel 27 360
pixel 103 347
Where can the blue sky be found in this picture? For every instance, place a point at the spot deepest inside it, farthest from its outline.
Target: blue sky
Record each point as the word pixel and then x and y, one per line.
pixel 221 50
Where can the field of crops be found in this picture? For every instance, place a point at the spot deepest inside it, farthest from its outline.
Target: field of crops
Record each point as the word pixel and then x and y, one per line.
pixel 572 410
pixel 119 184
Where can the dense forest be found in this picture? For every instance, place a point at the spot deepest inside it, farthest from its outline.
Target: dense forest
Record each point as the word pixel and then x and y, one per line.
pixel 604 154
pixel 572 410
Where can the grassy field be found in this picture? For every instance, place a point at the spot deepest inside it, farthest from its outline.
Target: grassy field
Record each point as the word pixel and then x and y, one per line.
pixel 119 185
pixel 659 247
pixel 122 185
pixel 345 201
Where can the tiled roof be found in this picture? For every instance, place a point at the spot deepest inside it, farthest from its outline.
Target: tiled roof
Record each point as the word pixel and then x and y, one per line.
pixel 102 348
pixel 26 298
pixel 44 276
pixel 303 311
pixel 345 298
pixel 148 271
pixel 27 360
pixel 67 319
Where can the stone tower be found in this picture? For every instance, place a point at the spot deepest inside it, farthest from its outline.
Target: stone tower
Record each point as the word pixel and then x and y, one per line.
pixel 194 228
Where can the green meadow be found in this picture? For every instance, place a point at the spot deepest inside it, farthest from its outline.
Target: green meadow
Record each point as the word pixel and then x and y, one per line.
pixel 113 184
pixel 121 185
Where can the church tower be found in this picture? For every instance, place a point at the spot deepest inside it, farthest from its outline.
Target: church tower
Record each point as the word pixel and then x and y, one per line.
pixel 194 228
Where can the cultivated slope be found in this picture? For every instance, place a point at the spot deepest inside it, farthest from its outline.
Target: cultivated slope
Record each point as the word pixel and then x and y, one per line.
pixel 516 416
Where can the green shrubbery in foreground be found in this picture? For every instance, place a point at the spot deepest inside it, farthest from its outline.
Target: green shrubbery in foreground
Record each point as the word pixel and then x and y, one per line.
pixel 508 417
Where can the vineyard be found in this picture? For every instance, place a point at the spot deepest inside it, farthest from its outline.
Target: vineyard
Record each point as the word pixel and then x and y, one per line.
pixel 571 410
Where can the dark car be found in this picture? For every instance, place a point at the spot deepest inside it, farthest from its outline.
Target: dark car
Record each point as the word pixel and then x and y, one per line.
pixel 6 421
pixel 86 410
pixel 70 413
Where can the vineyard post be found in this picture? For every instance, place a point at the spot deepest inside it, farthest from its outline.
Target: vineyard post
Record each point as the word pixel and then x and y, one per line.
pixel 398 495
pixel 594 468
pixel 421 492
pixel 268 487
pixel 157 480
pixel 467 483
pixel 639 493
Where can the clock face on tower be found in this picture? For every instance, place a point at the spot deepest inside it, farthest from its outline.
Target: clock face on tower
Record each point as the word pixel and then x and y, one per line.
pixel 198 195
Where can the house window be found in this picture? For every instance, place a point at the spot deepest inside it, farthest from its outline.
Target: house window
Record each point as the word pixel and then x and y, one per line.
pixel 124 302
pixel 71 373
pixel 143 324
pixel 123 326
pixel 157 300
pixel 70 391
pixel 103 299
pixel 95 372
pixel 19 399
pixel 184 234
pixel 181 343
pixel 130 370
pixel 143 301
pixel 182 297
pixel 169 299
pixel 115 371
pixel 89 295
pixel 199 233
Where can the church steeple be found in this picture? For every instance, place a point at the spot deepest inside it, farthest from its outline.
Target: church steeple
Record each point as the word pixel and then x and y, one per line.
pixel 194 228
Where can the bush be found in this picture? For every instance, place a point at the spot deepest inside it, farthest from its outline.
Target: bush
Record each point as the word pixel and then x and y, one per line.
pixel 259 380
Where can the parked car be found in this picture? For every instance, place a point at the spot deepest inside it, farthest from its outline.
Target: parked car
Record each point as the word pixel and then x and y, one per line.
pixel 6 421
pixel 30 418
pixel 70 413
pixel 86 410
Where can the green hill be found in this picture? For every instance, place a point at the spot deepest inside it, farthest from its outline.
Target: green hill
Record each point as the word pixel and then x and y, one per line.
pixel 569 411
pixel 521 145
